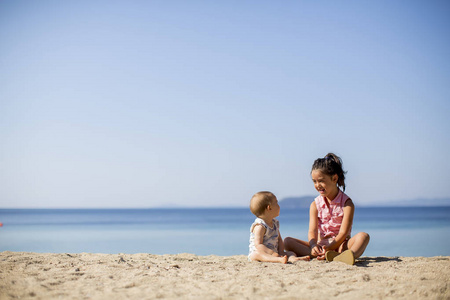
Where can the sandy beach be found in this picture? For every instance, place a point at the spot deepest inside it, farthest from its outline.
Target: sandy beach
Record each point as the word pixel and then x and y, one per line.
pixel 187 276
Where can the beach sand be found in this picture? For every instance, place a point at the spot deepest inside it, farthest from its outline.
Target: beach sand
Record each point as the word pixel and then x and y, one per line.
pixel 187 276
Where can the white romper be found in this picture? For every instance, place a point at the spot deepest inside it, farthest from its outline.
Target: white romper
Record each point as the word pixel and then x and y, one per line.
pixel 270 239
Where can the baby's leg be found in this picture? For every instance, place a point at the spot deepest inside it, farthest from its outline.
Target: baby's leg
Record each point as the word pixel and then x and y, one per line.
pixel 266 257
pixel 358 243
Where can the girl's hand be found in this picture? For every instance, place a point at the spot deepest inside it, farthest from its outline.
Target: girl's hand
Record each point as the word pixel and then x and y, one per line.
pixel 317 251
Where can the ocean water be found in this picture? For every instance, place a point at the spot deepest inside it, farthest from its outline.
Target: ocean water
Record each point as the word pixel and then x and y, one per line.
pixel 394 231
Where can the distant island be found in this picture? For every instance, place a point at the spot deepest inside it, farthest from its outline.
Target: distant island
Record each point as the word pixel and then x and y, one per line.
pixel 297 202
pixel 305 202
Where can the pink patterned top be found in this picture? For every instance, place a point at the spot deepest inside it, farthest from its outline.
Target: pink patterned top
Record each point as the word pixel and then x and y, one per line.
pixel 330 218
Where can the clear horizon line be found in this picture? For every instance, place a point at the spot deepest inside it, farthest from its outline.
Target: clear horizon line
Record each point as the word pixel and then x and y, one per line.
pixel 206 207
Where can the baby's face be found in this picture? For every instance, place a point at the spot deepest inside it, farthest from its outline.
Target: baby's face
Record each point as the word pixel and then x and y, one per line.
pixel 275 207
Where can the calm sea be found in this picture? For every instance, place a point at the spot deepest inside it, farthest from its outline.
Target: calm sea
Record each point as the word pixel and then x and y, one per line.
pixel 394 231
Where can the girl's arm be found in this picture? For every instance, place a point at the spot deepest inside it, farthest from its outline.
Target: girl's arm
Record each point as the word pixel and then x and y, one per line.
pixel 344 231
pixel 259 232
pixel 313 229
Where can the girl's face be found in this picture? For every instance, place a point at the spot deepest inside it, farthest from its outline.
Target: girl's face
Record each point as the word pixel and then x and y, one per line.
pixel 326 185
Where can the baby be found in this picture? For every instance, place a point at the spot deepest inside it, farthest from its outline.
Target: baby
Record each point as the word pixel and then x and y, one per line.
pixel 266 243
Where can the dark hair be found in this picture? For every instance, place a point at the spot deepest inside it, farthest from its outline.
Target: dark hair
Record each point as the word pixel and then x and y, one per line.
pixel 330 165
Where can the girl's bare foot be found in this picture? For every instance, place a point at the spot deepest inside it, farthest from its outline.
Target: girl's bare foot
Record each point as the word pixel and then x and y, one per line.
pixel 295 258
pixel 284 259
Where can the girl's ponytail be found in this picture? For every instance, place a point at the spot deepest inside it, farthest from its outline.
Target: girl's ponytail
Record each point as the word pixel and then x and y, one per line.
pixel 330 165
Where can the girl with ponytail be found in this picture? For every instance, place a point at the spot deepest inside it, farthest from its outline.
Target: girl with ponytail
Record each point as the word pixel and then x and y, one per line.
pixel 330 217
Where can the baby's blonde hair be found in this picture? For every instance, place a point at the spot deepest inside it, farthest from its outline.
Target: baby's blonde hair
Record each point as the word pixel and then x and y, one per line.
pixel 260 201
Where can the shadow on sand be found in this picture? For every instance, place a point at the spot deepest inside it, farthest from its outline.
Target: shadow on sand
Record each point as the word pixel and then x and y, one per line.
pixel 367 261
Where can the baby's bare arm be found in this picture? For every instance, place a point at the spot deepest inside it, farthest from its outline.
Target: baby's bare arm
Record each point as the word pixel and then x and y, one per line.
pixel 259 232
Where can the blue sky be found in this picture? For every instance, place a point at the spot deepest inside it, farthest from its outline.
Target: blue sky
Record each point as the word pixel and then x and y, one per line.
pixel 204 103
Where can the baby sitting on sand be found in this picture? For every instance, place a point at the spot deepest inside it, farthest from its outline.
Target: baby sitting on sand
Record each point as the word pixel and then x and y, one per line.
pixel 266 243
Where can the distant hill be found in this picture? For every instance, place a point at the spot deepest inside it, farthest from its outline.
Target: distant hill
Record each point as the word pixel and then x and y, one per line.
pixel 305 202
pixel 297 202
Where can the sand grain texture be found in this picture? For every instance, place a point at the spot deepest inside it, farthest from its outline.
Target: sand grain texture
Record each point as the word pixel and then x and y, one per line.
pixel 187 276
